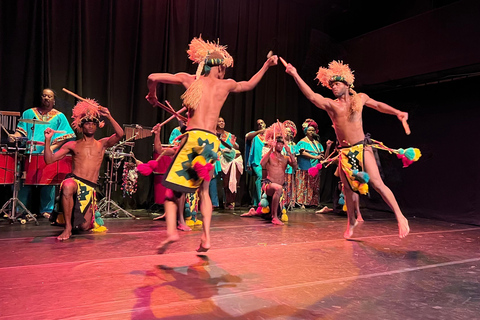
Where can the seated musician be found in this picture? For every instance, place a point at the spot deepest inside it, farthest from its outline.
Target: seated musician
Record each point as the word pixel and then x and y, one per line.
pixel 78 190
pixel 50 118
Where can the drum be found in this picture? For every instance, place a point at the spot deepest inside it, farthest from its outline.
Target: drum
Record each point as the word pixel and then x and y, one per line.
pixel 158 188
pixel 7 168
pixel 38 173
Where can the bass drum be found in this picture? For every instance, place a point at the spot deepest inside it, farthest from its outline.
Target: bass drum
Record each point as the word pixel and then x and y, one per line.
pixel 38 173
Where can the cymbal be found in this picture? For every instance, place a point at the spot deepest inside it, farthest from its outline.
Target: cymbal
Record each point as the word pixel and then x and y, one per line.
pixel 34 121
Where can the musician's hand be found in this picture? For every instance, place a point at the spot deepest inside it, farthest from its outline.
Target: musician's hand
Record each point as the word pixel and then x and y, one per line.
pixel 152 99
pixel 329 143
pixel 104 112
pixel 402 116
pixel 156 129
pixel 11 138
pixel 48 134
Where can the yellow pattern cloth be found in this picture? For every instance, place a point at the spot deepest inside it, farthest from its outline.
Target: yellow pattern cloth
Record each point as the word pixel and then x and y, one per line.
pixel 196 146
pixel 351 159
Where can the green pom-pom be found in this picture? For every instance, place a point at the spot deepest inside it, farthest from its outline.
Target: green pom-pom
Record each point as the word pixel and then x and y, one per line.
pixel 264 196
pixel 264 203
pixel 410 153
pixel 98 218
pixel 401 151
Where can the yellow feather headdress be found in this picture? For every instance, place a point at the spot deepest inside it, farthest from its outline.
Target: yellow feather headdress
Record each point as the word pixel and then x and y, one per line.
pixel 207 53
pixel 337 71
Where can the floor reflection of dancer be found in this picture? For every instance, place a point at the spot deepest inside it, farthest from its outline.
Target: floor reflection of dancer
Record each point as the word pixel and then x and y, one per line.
pixel 62 133
pixel 78 191
pixel 346 114
pixel 205 96
pixel 275 164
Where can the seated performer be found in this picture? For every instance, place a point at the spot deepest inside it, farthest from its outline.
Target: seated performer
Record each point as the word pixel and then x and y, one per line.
pixel 78 191
pixel 356 160
pixel 205 95
pixel 275 163
pixel 62 133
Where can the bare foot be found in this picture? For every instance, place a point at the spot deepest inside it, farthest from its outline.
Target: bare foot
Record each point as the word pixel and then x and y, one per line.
pixel 65 235
pixel 250 213
pixel 204 245
pixel 166 243
pixel 360 218
pixel 159 217
pixel 183 227
pixel 324 210
pixel 403 228
pixel 349 232
pixel 277 222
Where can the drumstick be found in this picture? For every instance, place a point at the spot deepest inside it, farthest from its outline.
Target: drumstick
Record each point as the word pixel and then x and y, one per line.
pixel 80 98
pixel 406 127
pixel 283 61
pixel 5 129
pixel 182 118
pixel 164 107
pixel 59 131
pixel 269 54
pixel 171 118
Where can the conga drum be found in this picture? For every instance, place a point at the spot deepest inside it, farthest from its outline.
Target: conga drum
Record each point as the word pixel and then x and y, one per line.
pixel 7 168
pixel 38 173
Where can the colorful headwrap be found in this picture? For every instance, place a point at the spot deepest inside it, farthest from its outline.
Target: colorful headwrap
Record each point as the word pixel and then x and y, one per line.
pixel 288 124
pixel 206 54
pixel 309 123
pixel 337 71
pixel 86 111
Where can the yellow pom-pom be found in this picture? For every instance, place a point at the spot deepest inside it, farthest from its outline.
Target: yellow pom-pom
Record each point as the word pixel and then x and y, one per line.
pixel 344 208
pixel 199 159
pixel 190 223
pixel 363 188
pixel 355 184
pixel 284 211
pixel 98 228
pixel 418 154
pixel 265 209
pixel 198 222
pixel 284 217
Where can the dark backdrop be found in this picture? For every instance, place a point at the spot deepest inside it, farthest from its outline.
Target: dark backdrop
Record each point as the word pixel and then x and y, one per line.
pixel 106 49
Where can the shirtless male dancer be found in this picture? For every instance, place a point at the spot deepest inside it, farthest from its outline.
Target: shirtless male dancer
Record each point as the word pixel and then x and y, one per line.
pixel 346 114
pixel 275 164
pixel 87 156
pixel 206 93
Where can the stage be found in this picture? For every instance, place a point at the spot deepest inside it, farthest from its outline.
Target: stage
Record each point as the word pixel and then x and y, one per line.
pixel 255 270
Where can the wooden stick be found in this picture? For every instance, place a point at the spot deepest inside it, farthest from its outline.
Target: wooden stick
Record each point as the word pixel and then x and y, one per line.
pixel 283 61
pixel 78 97
pixel 164 107
pixel 5 129
pixel 182 118
pixel 172 117
pixel 406 127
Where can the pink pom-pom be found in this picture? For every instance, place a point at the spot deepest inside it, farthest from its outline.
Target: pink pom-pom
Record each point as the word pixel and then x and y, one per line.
pixel 259 210
pixel 319 166
pixel 406 162
pixel 313 171
pixel 144 169
pixel 203 171
pixel 400 156
pixel 153 164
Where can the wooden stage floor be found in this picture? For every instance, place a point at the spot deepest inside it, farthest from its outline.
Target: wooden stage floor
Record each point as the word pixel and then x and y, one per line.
pixel 255 270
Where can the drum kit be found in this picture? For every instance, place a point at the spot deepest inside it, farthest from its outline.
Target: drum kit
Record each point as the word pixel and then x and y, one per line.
pixel 34 170
pixel 116 155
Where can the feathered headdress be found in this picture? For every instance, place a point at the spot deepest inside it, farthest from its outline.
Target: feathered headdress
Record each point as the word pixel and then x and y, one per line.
pixel 86 110
pixel 288 124
pixel 206 54
pixel 271 133
pixel 337 71
pixel 309 123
